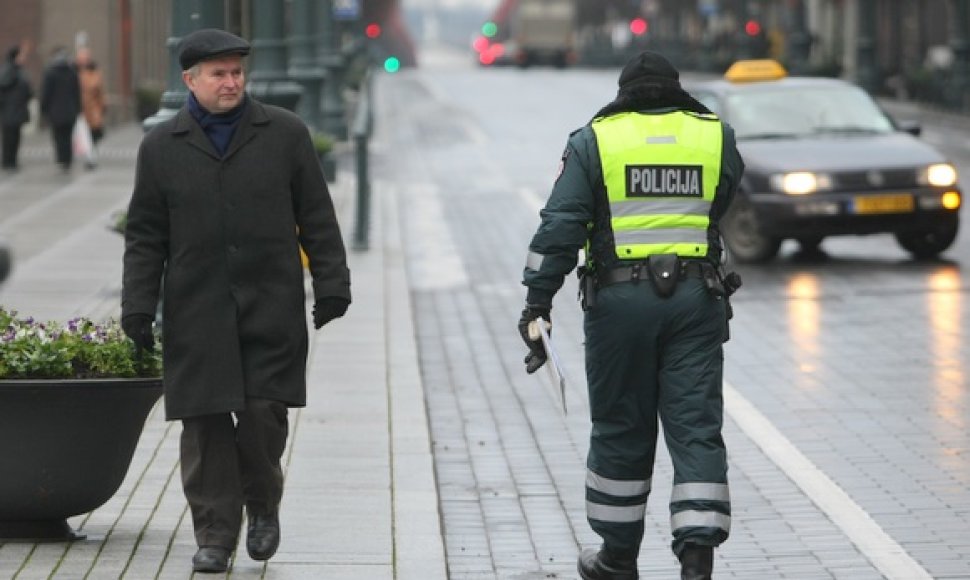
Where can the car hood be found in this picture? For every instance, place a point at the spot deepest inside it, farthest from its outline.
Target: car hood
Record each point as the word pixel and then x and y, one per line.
pixel 833 153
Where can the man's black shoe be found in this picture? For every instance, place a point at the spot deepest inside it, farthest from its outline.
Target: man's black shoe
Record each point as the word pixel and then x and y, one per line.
pixel 211 559
pixel 263 535
pixel 598 565
pixel 696 562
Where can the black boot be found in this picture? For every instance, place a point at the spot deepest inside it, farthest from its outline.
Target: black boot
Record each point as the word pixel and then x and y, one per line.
pixel 598 565
pixel 263 535
pixel 696 562
pixel 211 559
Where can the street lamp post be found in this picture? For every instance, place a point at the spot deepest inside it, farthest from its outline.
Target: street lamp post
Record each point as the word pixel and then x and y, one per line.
pixel 304 68
pixel 960 44
pixel 268 81
pixel 331 59
pixel 187 16
pixel 675 45
pixel 866 73
pixel 745 49
pixel 799 38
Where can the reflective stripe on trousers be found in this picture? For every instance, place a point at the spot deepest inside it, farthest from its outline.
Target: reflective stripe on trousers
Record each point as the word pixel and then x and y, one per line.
pixel 686 498
pixel 627 497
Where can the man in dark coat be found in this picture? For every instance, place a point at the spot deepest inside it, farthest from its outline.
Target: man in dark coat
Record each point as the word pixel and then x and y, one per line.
pixel 60 103
pixel 15 95
pixel 226 193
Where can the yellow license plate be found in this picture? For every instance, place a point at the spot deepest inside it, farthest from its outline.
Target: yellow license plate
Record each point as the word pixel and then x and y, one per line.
pixel 894 203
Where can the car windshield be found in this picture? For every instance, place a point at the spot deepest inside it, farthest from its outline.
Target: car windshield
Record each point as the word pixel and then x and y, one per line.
pixel 800 111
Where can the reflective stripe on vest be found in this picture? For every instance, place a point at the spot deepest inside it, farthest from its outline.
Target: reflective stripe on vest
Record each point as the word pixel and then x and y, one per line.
pixel 661 172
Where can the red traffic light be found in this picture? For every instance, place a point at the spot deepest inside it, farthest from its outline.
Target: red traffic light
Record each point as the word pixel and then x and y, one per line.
pixel 638 26
pixel 373 30
pixel 480 44
pixel 752 28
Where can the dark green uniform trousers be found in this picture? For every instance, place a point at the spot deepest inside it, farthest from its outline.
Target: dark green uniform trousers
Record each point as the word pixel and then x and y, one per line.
pixel 646 357
pixel 228 464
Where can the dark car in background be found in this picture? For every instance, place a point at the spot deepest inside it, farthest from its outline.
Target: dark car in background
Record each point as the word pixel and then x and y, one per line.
pixel 822 159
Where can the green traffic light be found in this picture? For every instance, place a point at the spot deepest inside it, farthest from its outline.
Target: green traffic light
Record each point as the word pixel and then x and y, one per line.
pixel 489 29
pixel 392 64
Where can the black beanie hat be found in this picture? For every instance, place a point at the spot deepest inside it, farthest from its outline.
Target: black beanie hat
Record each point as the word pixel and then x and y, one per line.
pixel 649 67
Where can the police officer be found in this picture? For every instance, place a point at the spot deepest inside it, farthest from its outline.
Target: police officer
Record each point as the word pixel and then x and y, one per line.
pixel 226 193
pixel 642 187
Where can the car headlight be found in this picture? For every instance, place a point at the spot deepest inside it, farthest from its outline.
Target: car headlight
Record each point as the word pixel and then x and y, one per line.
pixel 938 175
pixel 800 182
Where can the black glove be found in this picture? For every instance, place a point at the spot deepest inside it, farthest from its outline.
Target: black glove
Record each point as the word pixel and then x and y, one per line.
pixel 138 327
pixel 537 353
pixel 326 309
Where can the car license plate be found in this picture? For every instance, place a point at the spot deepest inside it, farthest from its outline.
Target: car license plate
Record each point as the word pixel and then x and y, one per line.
pixel 894 203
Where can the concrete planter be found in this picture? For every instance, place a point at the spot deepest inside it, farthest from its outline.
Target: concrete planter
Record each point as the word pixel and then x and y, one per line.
pixel 65 447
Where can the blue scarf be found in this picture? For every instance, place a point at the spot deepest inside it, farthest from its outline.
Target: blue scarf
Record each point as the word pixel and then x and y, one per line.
pixel 219 127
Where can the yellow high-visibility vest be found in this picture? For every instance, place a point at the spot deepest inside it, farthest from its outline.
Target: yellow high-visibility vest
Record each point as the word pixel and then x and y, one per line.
pixel 661 172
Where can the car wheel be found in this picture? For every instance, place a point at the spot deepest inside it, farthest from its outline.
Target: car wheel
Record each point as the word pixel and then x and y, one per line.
pixel 742 233
pixel 929 244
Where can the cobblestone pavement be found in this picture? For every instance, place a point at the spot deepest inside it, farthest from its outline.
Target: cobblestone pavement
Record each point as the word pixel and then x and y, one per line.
pixel 510 468
pixel 426 452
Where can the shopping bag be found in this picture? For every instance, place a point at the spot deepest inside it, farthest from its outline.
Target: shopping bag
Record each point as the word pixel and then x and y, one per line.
pixel 81 140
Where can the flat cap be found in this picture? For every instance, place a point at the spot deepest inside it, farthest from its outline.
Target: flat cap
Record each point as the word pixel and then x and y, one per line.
pixel 209 43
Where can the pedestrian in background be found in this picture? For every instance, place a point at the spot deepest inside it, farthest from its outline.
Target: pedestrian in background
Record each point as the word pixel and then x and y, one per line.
pixel 15 95
pixel 60 104
pixel 226 193
pixel 644 185
pixel 92 100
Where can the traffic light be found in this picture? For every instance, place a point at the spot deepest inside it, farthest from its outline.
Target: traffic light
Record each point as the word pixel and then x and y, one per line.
pixel 373 30
pixel 752 28
pixel 480 44
pixel 639 26
pixel 392 64
pixel 489 29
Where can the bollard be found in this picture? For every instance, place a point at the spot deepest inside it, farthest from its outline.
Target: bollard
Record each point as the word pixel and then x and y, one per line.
pixel 362 223
pixel 5 261
pixel 361 131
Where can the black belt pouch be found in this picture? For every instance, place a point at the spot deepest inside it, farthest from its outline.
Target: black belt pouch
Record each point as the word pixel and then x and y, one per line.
pixel 664 273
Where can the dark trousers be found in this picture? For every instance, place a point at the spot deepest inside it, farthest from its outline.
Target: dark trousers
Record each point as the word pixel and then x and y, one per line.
pixel 63 151
pixel 229 464
pixel 11 145
pixel 650 358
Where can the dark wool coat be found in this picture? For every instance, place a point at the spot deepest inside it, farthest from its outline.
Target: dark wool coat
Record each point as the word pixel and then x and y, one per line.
pixel 60 95
pixel 225 233
pixel 15 95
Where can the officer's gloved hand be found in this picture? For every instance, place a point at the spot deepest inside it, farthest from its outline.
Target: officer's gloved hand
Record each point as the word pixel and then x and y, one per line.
pixel 138 327
pixel 537 353
pixel 327 308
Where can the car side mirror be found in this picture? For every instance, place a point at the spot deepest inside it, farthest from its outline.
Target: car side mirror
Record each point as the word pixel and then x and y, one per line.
pixel 911 127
